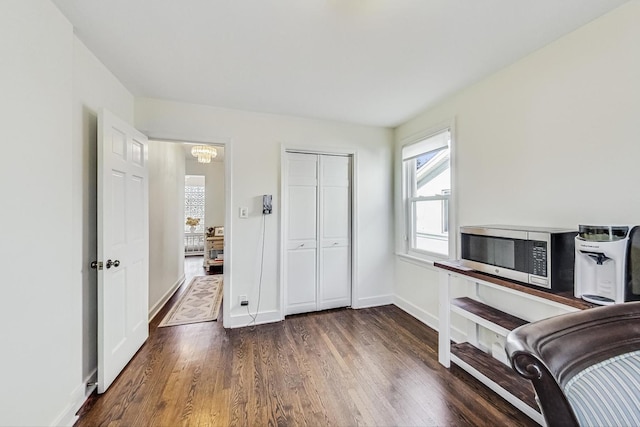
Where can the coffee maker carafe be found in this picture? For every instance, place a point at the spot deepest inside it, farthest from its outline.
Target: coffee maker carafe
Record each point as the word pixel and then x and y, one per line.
pixel 607 269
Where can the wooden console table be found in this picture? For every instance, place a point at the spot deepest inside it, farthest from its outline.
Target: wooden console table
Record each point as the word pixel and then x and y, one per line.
pixel 467 355
pixel 213 247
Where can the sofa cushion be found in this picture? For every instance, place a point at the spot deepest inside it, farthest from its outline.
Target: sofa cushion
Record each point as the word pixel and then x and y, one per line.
pixel 608 393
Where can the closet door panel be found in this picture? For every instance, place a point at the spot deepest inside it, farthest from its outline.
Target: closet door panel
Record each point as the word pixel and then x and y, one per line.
pixel 336 278
pixel 302 213
pixel 335 233
pixel 335 213
pixel 301 281
pixel 301 273
pixel 303 169
pixel 335 171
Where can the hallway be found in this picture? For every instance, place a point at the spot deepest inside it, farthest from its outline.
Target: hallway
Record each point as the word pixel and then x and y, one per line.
pixel 192 267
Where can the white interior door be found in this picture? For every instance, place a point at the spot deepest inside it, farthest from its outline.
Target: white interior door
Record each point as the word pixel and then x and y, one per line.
pixel 123 245
pixel 301 245
pixel 334 281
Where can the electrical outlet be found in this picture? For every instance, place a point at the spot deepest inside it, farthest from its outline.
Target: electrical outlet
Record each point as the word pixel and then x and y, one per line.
pixel 243 300
pixel 244 212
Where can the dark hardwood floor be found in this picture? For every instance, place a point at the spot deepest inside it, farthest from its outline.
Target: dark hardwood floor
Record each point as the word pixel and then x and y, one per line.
pixel 375 366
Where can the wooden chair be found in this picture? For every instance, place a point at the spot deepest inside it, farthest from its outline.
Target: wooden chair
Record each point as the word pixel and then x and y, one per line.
pixel 584 366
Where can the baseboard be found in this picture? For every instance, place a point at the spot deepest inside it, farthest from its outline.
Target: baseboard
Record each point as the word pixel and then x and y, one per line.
pixel 78 397
pixel 373 301
pixel 158 306
pixel 415 311
pixel 68 417
pixel 243 320
pixel 461 336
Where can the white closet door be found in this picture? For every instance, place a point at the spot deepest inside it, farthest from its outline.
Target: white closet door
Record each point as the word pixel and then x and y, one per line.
pixel 334 286
pixel 301 249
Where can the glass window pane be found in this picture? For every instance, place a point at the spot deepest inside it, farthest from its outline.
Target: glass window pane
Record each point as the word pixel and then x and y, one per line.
pixel 431 226
pixel 194 198
pixel 433 175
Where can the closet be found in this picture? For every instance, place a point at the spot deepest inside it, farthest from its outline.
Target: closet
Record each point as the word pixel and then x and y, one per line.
pixel 317 212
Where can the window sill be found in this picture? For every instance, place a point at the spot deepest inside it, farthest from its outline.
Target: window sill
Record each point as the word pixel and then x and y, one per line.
pixel 419 261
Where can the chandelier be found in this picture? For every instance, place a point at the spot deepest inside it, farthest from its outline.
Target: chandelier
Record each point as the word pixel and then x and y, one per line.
pixel 204 153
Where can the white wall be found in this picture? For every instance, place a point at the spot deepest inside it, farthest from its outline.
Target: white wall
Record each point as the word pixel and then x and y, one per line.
pixel 255 142
pixel 94 87
pixel 166 221
pixel 551 140
pixel 52 88
pixel 214 206
pixel 40 316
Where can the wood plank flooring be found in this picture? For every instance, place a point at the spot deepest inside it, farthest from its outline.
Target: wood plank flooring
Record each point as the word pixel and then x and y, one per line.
pixel 375 366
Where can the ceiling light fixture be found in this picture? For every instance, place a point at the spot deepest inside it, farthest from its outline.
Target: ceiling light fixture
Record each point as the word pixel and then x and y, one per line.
pixel 204 153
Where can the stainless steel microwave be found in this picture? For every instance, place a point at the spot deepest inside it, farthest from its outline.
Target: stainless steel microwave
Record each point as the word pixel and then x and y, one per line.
pixel 543 257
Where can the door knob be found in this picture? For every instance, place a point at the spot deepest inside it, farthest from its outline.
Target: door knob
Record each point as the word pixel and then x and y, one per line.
pixel 115 263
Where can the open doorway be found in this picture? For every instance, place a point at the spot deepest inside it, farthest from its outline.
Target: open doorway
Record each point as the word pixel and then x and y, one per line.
pixel 205 207
pixel 181 187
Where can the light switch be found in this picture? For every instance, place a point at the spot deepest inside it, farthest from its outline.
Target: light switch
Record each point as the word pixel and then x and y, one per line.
pixel 244 212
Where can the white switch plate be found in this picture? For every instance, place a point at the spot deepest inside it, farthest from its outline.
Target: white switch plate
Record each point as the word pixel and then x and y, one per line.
pixel 244 212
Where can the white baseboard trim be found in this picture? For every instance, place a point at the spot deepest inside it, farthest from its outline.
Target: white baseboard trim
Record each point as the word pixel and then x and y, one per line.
pixel 158 306
pixel 68 417
pixel 78 396
pixel 458 336
pixel 428 319
pixel 420 314
pixel 373 301
pixel 243 320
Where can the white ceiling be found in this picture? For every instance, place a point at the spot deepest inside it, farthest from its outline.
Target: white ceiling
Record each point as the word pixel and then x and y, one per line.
pixel 374 62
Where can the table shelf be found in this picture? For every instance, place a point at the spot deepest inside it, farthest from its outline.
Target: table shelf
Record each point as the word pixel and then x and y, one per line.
pixel 491 318
pixel 469 354
pixel 498 377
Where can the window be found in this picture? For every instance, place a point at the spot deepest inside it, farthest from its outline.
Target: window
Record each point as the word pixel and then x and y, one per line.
pixel 194 197
pixel 427 191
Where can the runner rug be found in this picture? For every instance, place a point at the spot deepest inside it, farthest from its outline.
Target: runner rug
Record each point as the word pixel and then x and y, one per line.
pixel 200 302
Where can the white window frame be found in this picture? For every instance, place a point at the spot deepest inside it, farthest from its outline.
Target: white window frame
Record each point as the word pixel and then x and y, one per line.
pixel 408 179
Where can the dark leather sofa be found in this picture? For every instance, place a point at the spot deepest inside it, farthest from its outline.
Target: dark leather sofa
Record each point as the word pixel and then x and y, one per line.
pixel 584 366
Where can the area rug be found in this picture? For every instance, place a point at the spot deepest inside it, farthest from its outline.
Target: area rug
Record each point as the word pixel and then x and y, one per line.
pixel 199 303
